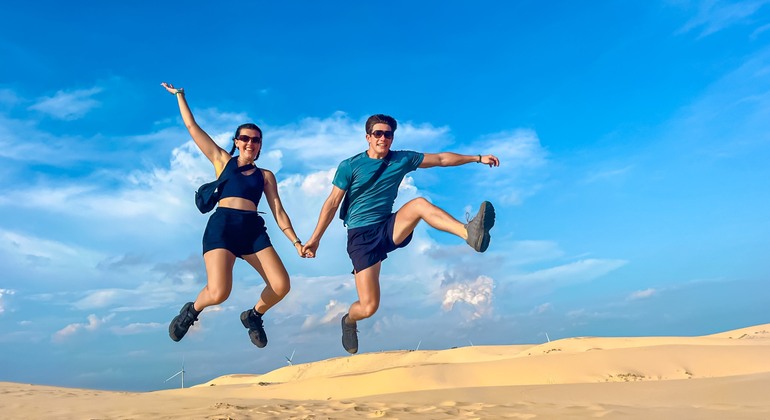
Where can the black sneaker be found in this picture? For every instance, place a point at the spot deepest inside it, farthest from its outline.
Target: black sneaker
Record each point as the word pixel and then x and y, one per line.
pixel 349 336
pixel 182 322
pixel 253 322
pixel 478 227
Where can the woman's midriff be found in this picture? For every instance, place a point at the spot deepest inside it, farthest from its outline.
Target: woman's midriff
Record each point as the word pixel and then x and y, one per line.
pixel 237 203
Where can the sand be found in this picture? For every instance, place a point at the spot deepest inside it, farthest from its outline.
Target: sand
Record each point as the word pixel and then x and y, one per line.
pixel 719 376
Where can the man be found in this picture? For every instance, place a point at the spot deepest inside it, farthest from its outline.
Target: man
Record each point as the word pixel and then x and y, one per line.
pixel 371 180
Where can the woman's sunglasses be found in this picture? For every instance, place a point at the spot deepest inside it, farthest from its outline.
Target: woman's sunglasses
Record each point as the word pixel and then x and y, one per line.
pixel 246 139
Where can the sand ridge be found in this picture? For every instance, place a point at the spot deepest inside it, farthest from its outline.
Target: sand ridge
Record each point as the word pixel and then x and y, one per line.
pixel 582 377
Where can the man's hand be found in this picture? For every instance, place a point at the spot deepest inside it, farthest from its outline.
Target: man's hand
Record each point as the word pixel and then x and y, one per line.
pixel 490 160
pixel 309 249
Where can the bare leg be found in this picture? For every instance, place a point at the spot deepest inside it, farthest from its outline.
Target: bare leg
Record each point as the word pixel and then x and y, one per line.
pixel 418 209
pixel 368 287
pixel 219 272
pixel 271 268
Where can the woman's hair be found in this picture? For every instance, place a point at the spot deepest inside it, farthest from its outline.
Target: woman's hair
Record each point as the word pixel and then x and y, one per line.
pixel 248 126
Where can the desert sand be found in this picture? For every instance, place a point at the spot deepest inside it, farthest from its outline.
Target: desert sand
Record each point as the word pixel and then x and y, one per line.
pixel 719 376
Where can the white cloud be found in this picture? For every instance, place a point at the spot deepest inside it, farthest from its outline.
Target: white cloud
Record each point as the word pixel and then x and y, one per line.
pixel 521 157
pixel 332 313
pixel 158 292
pixel 762 29
pixel 137 328
pixel 8 97
pixel 4 292
pixel 714 15
pixel 608 175
pixel 94 323
pixel 577 271
pixel 477 293
pixel 68 105
pixel 642 294
pixel 12 132
pixel 308 142
pixel 541 309
pixel 41 255
pixel 532 251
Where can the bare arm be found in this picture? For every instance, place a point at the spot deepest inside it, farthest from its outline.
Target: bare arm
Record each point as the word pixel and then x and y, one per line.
pixel 276 207
pixel 328 210
pixel 205 143
pixel 453 159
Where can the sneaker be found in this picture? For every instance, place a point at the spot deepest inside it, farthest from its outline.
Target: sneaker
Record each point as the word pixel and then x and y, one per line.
pixel 182 322
pixel 478 227
pixel 349 336
pixel 253 322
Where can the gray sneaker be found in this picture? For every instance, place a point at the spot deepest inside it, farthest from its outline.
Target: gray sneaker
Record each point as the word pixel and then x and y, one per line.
pixel 349 336
pixel 478 227
pixel 253 323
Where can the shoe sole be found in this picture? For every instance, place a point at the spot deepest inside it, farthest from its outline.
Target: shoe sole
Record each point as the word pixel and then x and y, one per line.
pixel 352 350
pixel 245 319
pixel 171 332
pixel 487 221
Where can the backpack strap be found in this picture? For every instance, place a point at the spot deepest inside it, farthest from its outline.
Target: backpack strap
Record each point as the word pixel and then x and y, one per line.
pixel 349 199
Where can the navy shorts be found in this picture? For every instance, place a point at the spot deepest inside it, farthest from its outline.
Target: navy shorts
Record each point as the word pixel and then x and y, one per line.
pixel 241 232
pixel 368 245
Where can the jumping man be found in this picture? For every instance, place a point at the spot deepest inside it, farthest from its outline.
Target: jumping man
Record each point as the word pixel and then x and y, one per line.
pixel 371 179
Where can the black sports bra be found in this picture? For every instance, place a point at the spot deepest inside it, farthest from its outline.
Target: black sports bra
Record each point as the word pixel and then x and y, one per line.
pixel 239 185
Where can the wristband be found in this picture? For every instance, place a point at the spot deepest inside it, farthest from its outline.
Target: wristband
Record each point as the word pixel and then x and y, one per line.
pixel 296 241
pixel 479 159
pixel 178 92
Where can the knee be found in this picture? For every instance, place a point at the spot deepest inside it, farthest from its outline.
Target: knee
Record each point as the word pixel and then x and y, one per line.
pixel 218 295
pixel 282 289
pixel 369 308
pixel 420 202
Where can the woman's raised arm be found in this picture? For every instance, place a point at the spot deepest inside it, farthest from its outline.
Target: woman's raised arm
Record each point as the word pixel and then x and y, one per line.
pixel 205 143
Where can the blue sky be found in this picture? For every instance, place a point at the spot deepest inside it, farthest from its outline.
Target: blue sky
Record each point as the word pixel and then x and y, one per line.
pixel 632 197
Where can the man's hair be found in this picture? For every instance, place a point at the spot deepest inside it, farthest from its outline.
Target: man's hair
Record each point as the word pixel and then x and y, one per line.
pixel 380 119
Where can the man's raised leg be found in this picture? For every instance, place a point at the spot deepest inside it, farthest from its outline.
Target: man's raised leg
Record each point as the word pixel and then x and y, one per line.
pixel 475 232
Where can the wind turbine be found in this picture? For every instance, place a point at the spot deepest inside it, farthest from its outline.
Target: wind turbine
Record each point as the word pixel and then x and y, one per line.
pixel 288 359
pixel 176 374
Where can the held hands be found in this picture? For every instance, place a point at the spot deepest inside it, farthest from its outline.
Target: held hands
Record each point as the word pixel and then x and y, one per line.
pixel 490 160
pixel 171 89
pixel 309 249
pixel 298 246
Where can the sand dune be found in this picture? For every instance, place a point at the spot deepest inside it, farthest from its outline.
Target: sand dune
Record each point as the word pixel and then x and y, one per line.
pixel 719 376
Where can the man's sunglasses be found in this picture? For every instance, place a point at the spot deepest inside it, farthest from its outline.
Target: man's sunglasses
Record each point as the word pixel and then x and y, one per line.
pixel 246 139
pixel 379 133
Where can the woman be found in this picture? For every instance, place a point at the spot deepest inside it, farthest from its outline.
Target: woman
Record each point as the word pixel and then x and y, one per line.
pixel 236 229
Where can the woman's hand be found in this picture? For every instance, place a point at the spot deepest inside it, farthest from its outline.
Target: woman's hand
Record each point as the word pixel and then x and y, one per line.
pixel 171 89
pixel 309 249
pixel 298 246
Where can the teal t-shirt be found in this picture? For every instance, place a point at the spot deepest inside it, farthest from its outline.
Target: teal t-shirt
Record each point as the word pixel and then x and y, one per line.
pixel 376 203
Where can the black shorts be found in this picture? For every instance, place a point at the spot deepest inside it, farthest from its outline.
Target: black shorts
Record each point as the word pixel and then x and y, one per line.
pixel 368 245
pixel 241 232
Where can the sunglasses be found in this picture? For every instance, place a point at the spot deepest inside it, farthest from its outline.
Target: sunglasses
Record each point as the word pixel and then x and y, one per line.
pixel 246 139
pixel 379 133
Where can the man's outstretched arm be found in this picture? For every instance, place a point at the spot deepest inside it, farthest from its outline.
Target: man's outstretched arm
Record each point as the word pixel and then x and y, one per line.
pixel 453 159
pixel 328 211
